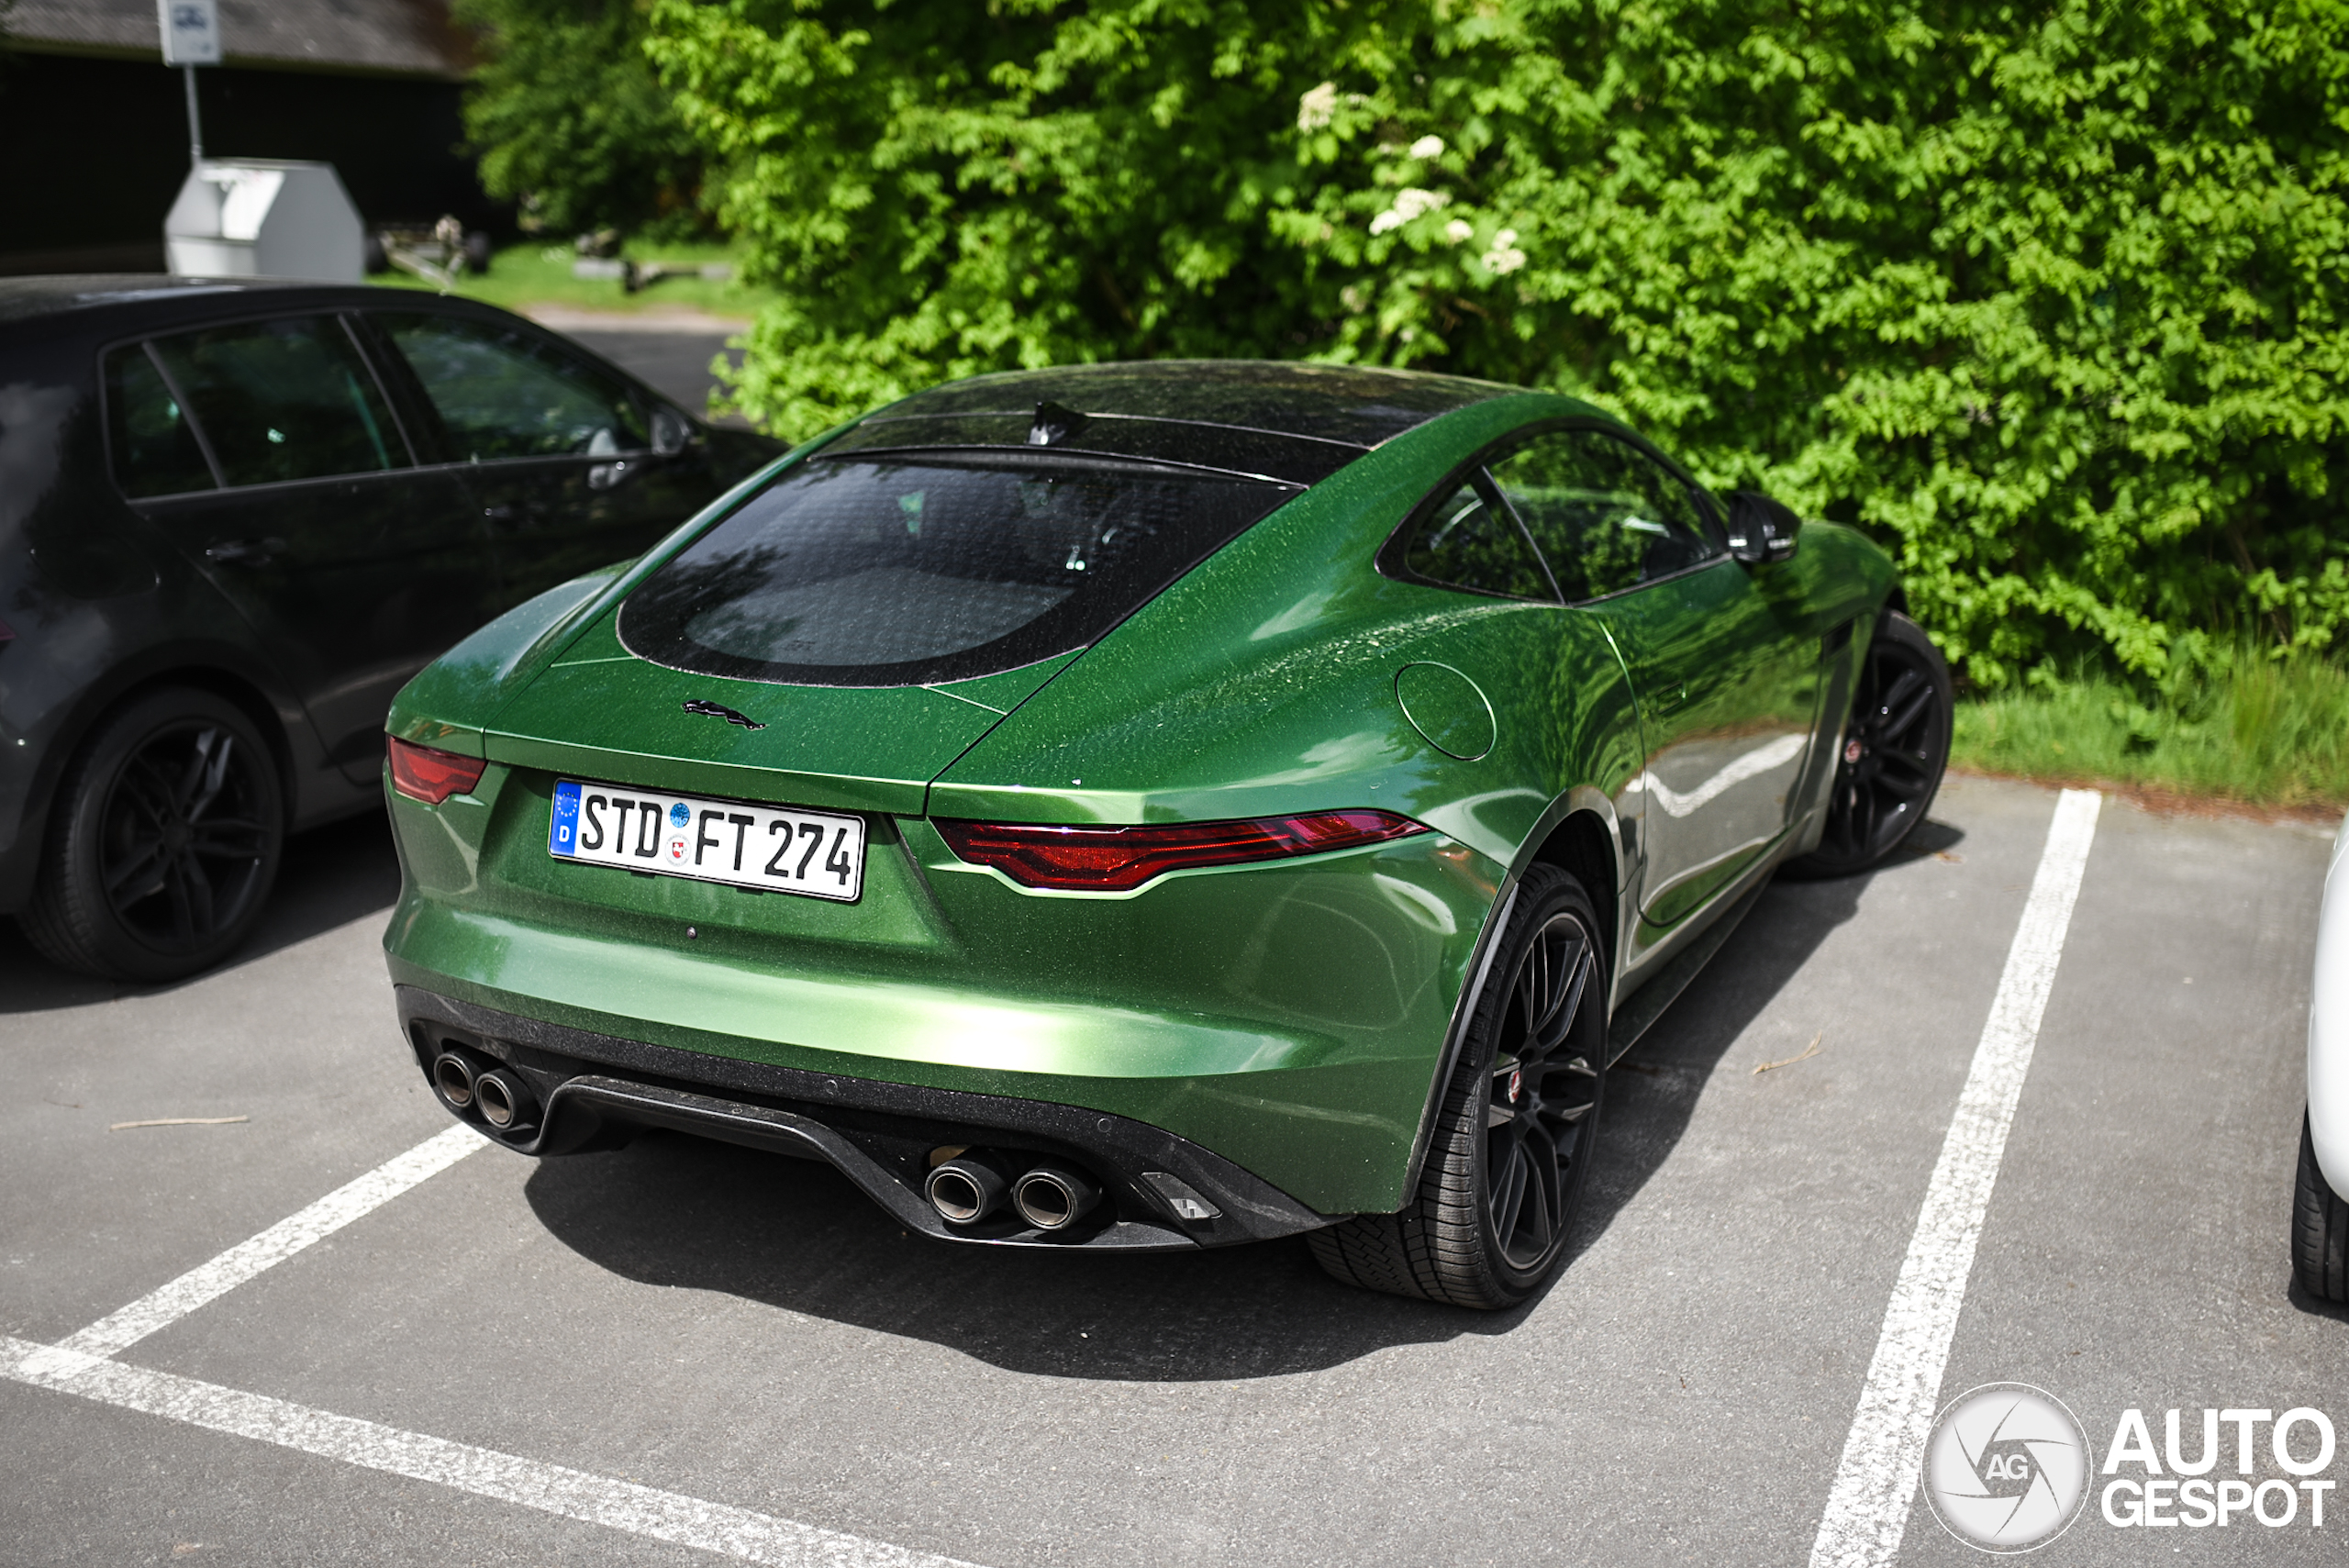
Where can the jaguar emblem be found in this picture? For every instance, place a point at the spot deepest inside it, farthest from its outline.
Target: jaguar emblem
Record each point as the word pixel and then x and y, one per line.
pixel 719 710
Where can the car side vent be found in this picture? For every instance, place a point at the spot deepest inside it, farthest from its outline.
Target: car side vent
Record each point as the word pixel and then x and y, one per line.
pixel 1836 640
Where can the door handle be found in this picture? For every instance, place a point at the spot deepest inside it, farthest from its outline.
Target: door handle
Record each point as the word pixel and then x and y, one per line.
pixel 243 551
pixel 498 514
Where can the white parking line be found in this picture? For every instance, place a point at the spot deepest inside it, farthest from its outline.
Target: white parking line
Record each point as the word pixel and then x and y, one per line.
pixel 82 1365
pixel 1867 1511
pixel 484 1472
pixel 119 1330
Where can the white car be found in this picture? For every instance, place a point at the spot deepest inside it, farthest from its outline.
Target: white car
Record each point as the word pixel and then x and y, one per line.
pixel 2320 1196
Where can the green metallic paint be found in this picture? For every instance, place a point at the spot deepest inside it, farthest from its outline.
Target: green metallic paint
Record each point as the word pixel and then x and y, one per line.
pixel 450 703
pixel 470 679
pixel 1731 665
pixel 1005 690
pixel 602 715
pixel 1198 1003
pixel 1448 710
pixel 1262 684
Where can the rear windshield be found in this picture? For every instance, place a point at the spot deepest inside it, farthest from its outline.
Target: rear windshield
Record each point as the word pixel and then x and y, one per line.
pixel 880 572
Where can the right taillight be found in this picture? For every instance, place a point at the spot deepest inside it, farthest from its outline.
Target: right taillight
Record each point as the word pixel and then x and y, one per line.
pixel 422 774
pixel 1119 859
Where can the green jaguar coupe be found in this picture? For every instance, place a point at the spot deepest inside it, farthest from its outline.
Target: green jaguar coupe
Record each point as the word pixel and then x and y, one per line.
pixel 1151 806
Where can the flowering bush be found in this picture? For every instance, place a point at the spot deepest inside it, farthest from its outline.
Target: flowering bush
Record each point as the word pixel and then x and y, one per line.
pixel 2049 298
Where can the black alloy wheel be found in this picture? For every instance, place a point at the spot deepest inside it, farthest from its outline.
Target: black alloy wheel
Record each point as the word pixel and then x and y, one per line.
pixel 1514 1137
pixel 1895 750
pixel 163 842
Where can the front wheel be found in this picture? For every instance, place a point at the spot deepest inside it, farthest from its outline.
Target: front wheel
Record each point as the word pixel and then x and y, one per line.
pixel 1895 750
pixel 162 843
pixel 1511 1147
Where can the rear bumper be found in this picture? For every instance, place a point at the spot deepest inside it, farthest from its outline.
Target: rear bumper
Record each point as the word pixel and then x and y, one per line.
pixel 595 1089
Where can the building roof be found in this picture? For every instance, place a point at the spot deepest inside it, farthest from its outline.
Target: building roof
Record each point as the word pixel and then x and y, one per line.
pixel 396 38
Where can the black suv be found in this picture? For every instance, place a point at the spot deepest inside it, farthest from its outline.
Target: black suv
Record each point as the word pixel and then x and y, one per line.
pixel 235 517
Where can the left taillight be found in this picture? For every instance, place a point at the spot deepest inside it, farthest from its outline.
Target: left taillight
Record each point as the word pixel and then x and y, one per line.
pixel 422 774
pixel 1119 859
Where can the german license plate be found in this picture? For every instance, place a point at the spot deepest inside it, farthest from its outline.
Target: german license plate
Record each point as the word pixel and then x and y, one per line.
pixel 817 854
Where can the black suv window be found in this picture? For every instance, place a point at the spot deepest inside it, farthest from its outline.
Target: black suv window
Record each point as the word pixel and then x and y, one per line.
pixel 1606 516
pixel 891 571
pixel 503 393
pixel 155 449
pixel 1466 540
pixel 285 399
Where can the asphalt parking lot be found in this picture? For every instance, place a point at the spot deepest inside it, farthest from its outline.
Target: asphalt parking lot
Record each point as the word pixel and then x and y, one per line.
pixel 682 1337
pixel 672 351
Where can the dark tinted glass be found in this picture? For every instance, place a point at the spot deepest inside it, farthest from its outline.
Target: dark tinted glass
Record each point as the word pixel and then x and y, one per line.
pixel 1606 516
pixel 1346 403
pixel 1464 542
pixel 155 449
pixel 280 400
pixel 1291 460
pixel 504 392
pixel 880 572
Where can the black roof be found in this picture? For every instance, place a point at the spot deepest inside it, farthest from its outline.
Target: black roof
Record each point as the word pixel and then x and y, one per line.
pixel 1281 418
pixel 23 299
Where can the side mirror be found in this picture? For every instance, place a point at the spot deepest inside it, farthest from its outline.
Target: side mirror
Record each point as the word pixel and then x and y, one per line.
pixel 1761 531
pixel 670 431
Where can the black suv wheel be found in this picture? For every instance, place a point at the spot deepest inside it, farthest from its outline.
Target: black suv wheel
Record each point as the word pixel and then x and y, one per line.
pixel 162 843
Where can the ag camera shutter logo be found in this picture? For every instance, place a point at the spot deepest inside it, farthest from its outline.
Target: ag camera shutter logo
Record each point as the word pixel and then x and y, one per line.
pixel 2007 1467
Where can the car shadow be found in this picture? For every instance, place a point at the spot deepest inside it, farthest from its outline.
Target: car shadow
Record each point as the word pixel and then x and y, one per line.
pixel 672 1210
pixel 1652 1091
pixel 330 877
pixel 2313 1305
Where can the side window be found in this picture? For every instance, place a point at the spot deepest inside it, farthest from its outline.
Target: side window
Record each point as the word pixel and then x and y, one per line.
pixel 155 449
pixel 1466 543
pixel 287 399
pixel 501 393
pixel 1606 516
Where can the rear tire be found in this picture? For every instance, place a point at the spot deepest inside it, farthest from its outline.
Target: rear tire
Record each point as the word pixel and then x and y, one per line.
pixel 163 842
pixel 2320 1229
pixel 1896 748
pixel 1511 1147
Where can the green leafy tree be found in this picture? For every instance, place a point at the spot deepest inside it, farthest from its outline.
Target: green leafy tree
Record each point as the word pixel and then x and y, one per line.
pixel 2049 297
pixel 569 121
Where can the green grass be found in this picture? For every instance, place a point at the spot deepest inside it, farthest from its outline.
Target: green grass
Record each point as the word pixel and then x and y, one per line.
pixel 2245 728
pixel 535 273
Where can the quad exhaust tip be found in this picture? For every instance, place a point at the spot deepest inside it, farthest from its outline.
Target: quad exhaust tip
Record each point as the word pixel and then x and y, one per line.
pixel 1054 1197
pixel 503 1100
pixel 966 1188
pixel 969 1186
pixel 469 1085
pixel 452 1079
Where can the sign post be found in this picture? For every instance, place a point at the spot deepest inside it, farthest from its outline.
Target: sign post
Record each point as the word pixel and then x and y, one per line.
pixel 191 37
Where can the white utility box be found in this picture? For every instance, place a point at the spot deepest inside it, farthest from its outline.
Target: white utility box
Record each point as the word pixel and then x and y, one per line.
pixel 258 217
